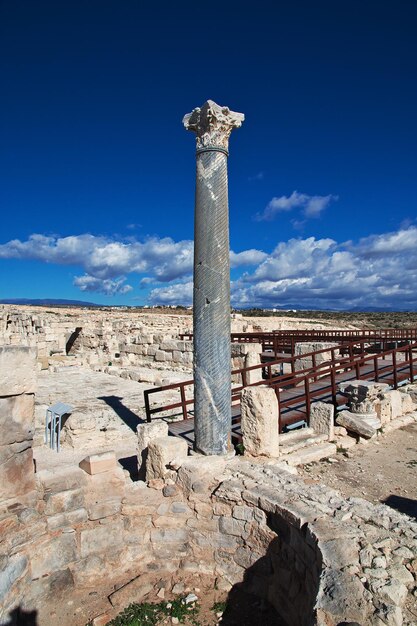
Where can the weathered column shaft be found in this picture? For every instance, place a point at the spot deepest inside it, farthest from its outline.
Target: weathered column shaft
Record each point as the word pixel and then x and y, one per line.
pixel 212 378
pixel 212 361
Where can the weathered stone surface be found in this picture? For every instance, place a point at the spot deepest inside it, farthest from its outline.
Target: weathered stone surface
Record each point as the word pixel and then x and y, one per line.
pixel 358 423
pixel 135 591
pixel 17 370
pixel 101 510
pixel 16 418
pixel 61 479
pixel 53 554
pixel 253 376
pixel 64 501
pixel 146 432
pixel 13 569
pixel 259 410
pixel 99 463
pixel 362 395
pixel 408 405
pixel 383 410
pixel 161 452
pixel 395 399
pixel 17 476
pixel 322 418
pixel 68 519
pixel 394 592
pixel 102 538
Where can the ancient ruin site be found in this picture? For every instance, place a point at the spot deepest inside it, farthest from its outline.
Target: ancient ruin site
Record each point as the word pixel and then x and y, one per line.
pixel 308 518
pixel 208 413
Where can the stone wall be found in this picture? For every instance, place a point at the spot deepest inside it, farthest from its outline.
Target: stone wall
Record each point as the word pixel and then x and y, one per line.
pixel 317 558
pixel 305 362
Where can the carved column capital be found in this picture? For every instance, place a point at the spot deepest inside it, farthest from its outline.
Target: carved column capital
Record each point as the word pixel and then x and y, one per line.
pixel 213 125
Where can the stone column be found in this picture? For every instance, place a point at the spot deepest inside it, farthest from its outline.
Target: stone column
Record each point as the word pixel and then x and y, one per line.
pixel 212 382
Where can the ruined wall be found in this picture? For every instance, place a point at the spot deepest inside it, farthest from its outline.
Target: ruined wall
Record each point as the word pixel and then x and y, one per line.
pixel 318 558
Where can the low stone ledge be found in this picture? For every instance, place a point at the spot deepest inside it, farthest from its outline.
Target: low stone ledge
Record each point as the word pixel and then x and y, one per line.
pixel 99 463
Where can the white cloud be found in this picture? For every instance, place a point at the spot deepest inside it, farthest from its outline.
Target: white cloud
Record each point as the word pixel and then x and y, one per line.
pixel 379 270
pixel 247 257
pixel 311 206
pixel 179 293
pixel 99 285
pixel 403 240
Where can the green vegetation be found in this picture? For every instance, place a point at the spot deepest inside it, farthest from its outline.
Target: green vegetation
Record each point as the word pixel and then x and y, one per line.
pixel 219 607
pixel 147 614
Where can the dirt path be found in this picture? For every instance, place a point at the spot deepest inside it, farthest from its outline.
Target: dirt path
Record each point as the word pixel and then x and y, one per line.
pixel 380 471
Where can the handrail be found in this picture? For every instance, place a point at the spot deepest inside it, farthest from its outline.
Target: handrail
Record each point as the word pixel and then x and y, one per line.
pixel 318 372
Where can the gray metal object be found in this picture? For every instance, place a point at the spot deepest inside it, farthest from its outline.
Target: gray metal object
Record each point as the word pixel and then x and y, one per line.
pixel 212 380
pixel 53 423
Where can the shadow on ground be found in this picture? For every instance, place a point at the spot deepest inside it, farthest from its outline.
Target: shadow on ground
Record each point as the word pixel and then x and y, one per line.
pixel 403 505
pixel 20 617
pixel 129 417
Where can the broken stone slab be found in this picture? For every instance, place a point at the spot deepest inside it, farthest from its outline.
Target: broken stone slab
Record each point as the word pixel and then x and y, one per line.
pixel 364 425
pixel 147 432
pixel 363 394
pixel 99 463
pixel 161 452
pixel 311 454
pixel 260 421
pixel 322 418
pixel 18 370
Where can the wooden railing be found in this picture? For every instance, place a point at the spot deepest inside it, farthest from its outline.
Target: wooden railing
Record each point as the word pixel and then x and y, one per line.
pixel 318 382
pixel 285 340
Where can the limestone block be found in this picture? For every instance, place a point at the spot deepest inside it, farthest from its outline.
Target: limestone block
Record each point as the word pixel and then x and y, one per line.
pixel 259 409
pixel 17 418
pixel 99 463
pixel 161 452
pixel 53 554
pixel 133 591
pixel 61 479
pixel 17 476
pixel 65 520
pixel 360 424
pixel 103 538
pixel 306 362
pixel 160 355
pixel 322 418
pixel 169 345
pixel 253 376
pixel 100 510
pixel 14 569
pixel 177 356
pixel 383 410
pixel 64 501
pixel 407 403
pixel 17 370
pixel 146 432
pixel 394 398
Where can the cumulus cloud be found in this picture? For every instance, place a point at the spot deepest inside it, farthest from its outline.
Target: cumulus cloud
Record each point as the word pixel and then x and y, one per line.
pixel 179 293
pixel 379 270
pixel 311 206
pixel 247 257
pixel 101 285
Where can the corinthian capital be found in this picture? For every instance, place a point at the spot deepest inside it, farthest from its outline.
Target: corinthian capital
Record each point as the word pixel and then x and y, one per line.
pixel 213 124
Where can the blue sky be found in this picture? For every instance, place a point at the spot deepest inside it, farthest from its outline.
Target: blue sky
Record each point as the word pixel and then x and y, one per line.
pixel 97 171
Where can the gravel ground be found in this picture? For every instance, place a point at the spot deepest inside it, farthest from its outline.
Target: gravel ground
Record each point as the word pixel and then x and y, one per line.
pixel 379 471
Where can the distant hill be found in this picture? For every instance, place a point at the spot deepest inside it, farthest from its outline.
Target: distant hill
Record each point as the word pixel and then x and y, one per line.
pixel 47 302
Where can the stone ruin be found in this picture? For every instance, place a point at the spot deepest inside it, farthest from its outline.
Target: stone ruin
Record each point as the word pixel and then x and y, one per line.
pixel 82 542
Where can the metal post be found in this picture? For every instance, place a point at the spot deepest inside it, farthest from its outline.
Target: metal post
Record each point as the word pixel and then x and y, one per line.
pixel 213 125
